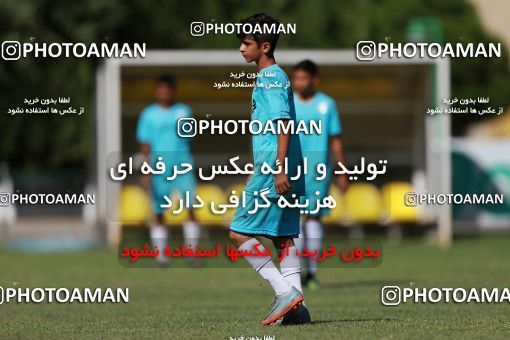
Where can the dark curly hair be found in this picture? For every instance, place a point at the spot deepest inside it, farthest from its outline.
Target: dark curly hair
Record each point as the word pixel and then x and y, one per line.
pixel 262 19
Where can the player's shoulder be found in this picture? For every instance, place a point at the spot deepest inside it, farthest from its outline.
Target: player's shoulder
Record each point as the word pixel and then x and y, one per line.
pixel 322 97
pixel 181 109
pixel 149 109
pixel 181 106
pixel 272 73
pixel 324 102
pixel 280 73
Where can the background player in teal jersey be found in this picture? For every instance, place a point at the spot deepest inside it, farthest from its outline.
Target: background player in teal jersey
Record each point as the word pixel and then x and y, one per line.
pixel 158 137
pixel 279 224
pixel 317 106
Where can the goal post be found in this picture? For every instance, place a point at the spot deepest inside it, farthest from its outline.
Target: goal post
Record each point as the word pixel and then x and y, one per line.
pixel 436 129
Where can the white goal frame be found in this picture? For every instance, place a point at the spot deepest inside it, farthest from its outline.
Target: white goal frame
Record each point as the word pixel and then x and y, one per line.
pixel 108 120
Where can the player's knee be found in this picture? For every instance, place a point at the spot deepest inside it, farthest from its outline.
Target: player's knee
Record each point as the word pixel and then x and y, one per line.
pixel 191 215
pixel 160 219
pixel 237 239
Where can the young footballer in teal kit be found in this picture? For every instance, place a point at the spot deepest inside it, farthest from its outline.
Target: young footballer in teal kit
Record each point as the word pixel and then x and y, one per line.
pixel 317 106
pixel 272 103
pixel 157 134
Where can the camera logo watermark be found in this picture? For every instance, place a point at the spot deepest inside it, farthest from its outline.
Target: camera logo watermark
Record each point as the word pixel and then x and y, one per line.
pixel 5 199
pixel 187 127
pixel 413 199
pixel 14 50
pixel 390 295
pixel 395 295
pixel 369 50
pixel 199 28
pixel 365 50
pixel 11 50
pixel 190 127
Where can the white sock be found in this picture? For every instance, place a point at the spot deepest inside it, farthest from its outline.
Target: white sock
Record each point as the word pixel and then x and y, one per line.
pixel 299 241
pixel 159 236
pixel 290 266
pixel 266 268
pixel 314 233
pixel 191 232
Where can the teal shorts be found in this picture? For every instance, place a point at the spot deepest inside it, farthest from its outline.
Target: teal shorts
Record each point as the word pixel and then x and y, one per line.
pixel 272 221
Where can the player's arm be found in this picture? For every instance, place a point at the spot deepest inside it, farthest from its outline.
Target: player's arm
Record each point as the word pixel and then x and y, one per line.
pixel 335 144
pixel 279 101
pixel 143 136
pixel 248 179
pixel 281 180
pixel 145 150
pixel 337 148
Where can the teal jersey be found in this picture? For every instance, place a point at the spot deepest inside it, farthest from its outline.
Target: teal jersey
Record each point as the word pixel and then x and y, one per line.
pixel 157 126
pixel 273 103
pixel 316 146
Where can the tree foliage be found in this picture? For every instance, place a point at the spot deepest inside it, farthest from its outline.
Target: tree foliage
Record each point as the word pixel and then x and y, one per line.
pixel 55 142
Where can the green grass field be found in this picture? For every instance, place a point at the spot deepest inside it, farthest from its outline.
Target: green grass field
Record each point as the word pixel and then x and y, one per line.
pixel 231 302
